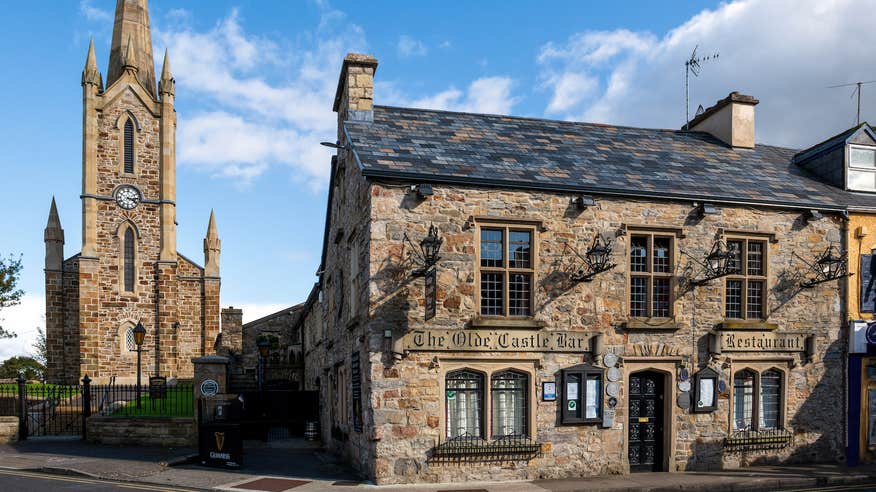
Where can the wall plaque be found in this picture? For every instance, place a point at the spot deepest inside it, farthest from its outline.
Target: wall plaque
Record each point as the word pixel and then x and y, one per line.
pixel 762 341
pixel 209 387
pixel 497 341
pixel 431 293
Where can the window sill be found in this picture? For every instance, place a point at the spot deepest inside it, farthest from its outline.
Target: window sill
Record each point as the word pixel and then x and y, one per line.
pixel 651 324
pixel 503 322
pixel 744 324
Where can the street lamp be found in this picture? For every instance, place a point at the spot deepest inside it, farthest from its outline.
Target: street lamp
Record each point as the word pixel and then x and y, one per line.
pixel 139 336
pixel 264 346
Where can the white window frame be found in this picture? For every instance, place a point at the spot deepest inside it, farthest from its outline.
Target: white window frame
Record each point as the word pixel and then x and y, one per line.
pixel 860 169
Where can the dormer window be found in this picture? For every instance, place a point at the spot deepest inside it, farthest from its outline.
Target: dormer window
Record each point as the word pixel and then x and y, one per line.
pixel 862 168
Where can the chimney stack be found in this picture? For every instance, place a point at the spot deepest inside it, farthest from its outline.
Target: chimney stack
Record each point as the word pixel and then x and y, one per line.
pixel 730 120
pixel 354 99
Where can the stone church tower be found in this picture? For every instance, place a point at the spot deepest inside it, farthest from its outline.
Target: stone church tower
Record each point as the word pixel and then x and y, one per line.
pixel 129 269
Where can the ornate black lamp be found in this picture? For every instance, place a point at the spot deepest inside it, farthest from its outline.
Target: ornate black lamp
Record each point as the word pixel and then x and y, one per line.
pixel 596 260
pixel 720 262
pixel 139 336
pixel 427 254
pixel 830 265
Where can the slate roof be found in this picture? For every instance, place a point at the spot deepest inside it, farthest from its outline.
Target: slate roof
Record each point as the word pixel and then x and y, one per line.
pixel 528 153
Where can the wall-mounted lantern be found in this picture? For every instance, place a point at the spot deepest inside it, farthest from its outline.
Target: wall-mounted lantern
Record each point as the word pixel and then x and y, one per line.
pixel 830 265
pixel 581 202
pixel 704 209
pixel 426 256
pixel 705 391
pixel 720 262
pixel 596 260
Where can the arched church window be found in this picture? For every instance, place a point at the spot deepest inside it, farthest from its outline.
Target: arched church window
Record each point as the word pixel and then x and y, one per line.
pixel 130 344
pixel 129 146
pixel 129 260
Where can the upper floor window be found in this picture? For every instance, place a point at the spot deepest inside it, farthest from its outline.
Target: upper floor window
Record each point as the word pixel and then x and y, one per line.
pixel 651 267
pixel 128 147
pixel 128 262
pixel 745 291
pixel 862 168
pixel 507 270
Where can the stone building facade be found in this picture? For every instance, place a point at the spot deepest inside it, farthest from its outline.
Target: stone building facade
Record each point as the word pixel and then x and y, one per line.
pixel 129 269
pixel 525 361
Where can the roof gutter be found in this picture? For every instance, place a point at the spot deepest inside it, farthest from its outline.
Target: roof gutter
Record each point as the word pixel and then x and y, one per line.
pixel 490 183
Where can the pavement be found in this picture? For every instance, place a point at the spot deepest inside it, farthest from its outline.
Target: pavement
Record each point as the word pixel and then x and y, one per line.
pixel 301 466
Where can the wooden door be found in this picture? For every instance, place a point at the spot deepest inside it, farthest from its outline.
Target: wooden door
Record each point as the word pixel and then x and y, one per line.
pixel 646 421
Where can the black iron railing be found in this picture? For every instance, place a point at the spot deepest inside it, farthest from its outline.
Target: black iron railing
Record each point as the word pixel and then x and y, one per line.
pixel 468 448
pixel 120 400
pixel 751 440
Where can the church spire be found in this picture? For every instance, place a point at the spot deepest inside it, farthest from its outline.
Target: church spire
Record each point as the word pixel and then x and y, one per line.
pixel 166 85
pixel 90 74
pixel 54 239
pixel 132 44
pixel 212 247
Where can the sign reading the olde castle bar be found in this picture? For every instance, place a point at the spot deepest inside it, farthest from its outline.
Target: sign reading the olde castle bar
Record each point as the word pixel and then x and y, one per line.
pixel 767 341
pixel 497 340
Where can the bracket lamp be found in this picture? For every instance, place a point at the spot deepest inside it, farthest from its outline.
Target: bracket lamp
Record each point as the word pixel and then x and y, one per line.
pixel 336 145
pixel 423 190
pixel 584 201
pixel 704 209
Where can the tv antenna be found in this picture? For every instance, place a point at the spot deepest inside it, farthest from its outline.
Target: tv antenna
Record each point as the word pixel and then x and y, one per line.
pixel 693 65
pixel 857 90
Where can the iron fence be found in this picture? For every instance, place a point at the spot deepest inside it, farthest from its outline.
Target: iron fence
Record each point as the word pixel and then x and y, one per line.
pixel 129 400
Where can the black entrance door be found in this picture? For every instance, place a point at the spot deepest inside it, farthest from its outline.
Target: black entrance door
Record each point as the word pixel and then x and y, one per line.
pixel 646 421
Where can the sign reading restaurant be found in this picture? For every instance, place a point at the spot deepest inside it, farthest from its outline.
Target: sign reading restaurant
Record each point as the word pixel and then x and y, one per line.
pixel 769 341
pixel 497 340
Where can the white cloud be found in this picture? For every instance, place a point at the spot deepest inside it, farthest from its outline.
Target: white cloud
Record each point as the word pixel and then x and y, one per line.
pixel 408 46
pixel 23 320
pixel 261 104
pixel 485 95
pixel 784 52
pixel 93 13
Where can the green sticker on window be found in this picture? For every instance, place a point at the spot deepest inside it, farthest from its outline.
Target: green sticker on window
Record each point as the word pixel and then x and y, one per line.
pixel 451 395
pixel 572 405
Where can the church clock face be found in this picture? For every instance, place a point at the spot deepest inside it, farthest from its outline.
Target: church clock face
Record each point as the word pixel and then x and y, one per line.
pixel 128 197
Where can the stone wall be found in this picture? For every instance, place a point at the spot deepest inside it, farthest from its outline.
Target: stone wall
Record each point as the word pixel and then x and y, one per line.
pixel 8 430
pixel 403 412
pixel 169 432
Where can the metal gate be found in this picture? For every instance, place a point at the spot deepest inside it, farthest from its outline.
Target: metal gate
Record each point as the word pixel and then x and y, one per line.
pixel 272 415
pixel 46 409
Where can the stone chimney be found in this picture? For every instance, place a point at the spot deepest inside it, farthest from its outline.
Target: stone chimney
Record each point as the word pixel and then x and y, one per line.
pixel 354 99
pixel 730 120
pixel 232 331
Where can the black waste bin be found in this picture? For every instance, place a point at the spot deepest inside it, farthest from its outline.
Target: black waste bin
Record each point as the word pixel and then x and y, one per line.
pixel 220 442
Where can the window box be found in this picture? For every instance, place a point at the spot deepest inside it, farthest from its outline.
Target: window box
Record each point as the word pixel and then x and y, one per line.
pixel 467 448
pixel 582 388
pixel 758 440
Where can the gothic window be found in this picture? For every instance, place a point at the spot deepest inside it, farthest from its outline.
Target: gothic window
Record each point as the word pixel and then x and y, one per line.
pixel 128 262
pixel 464 397
pixel 757 399
pixel 129 146
pixel 130 344
pixel 508 393
pixel 770 398
pixel 743 400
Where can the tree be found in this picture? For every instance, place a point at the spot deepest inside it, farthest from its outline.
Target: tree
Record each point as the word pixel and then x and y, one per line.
pixel 13 366
pixel 10 272
pixel 40 352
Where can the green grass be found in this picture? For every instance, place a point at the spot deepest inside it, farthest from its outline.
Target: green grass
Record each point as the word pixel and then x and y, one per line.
pixel 179 403
pixel 37 390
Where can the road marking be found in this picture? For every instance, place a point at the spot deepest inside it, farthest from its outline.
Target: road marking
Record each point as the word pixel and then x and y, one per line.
pixel 61 478
pixel 870 486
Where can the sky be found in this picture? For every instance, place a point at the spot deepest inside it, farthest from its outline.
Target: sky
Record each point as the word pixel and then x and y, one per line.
pixel 256 80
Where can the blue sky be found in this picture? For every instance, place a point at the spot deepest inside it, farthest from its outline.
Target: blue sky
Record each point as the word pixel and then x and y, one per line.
pixel 255 81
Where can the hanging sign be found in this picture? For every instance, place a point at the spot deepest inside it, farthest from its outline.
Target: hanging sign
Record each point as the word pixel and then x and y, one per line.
pixel 431 293
pixel 762 341
pixel 497 341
